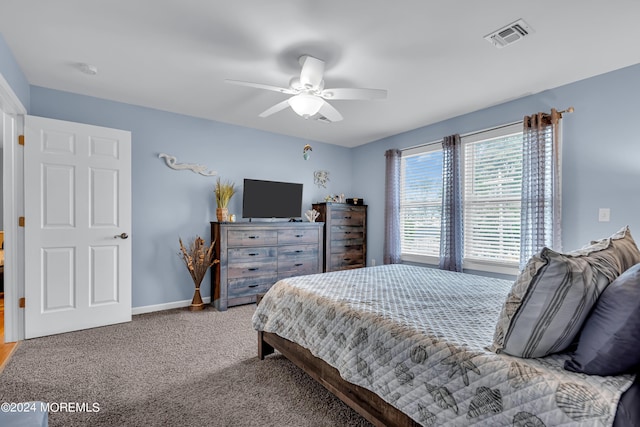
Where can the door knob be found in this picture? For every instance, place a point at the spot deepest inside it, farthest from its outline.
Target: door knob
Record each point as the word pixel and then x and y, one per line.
pixel 122 236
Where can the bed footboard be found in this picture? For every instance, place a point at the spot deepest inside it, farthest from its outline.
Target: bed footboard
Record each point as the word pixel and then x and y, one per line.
pixel 366 403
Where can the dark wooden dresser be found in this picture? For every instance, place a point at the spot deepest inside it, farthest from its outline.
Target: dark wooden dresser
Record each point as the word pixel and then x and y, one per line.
pixel 255 255
pixel 345 235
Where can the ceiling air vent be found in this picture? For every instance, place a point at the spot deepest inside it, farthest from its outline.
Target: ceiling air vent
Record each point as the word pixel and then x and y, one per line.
pixel 509 34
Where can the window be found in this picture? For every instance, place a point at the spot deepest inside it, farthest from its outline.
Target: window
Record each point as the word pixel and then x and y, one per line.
pixel 421 203
pixel 492 174
pixel 492 183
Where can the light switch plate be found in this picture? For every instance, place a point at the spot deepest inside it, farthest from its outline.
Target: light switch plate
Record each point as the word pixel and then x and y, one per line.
pixel 604 214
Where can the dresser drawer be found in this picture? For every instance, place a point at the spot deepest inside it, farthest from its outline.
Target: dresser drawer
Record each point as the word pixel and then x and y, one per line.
pixel 292 236
pixel 297 251
pixel 252 237
pixel 252 268
pixel 297 260
pixel 348 216
pixel 237 255
pixel 344 246
pixel 250 286
pixel 347 256
pixel 293 273
pixel 350 251
pixel 347 260
pixel 288 267
pixel 343 232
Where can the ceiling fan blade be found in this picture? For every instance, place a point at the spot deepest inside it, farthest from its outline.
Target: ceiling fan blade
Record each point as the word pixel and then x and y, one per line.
pixel 327 110
pixel 354 93
pixel 262 86
pixel 278 107
pixel 312 71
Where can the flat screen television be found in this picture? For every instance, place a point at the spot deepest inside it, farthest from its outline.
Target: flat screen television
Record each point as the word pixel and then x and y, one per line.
pixel 271 199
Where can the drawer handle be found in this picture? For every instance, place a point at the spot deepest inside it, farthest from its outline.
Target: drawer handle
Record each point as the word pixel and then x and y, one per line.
pixel 299 235
pixel 347 259
pixel 253 268
pixel 253 254
pixel 298 264
pixel 299 251
pixel 347 232
pixel 254 237
pixel 253 286
pixel 347 217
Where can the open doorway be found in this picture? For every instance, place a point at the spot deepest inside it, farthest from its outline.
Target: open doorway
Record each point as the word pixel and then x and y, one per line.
pixel 6 349
pixel 12 113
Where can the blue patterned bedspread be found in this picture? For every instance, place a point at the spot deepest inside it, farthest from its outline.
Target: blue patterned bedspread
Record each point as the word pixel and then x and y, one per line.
pixel 417 337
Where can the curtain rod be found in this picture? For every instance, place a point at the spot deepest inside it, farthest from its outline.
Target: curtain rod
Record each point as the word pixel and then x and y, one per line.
pixel 426 144
pixel 568 110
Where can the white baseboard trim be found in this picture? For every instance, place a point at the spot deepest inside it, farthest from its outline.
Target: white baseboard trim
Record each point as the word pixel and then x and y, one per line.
pixel 165 306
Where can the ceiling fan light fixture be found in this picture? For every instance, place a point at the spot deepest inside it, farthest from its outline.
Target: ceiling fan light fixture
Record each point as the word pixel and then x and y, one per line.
pixel 305 105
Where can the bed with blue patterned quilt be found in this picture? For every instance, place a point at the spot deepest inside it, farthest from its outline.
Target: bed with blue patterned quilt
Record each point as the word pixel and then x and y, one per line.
pixel 418 338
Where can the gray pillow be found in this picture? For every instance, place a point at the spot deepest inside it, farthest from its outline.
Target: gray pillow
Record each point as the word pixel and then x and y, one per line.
pixel 624 248
pixel 610 339
pixel 555 292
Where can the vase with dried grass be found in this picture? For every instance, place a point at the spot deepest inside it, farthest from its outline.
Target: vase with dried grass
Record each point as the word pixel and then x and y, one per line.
pixel 198 258
pixel 223 190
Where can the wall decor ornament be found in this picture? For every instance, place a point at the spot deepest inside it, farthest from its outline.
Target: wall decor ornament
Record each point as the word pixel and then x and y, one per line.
pixel 320 178
pixel 312 215
pixel 306 152
pixel 335 198
pixel 172 162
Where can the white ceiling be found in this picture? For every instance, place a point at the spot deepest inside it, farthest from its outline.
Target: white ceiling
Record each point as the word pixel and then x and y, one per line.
pixel 430 55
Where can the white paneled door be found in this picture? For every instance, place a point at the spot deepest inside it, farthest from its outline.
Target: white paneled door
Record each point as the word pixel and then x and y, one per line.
pixel 77 221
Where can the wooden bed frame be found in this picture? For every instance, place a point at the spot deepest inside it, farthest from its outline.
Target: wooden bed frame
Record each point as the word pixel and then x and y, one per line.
pixel 366 403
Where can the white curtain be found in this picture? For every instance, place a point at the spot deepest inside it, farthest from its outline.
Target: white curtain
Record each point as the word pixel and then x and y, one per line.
pixel 541 208
pixel 391 251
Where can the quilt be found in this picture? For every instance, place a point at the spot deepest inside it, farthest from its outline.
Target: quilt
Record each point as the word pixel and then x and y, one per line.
pixel 418 338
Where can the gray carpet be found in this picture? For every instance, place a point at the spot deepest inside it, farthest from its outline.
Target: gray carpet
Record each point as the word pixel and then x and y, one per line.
pixel 171 368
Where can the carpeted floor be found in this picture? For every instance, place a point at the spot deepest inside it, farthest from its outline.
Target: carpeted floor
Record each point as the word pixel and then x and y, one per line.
pixel 171 368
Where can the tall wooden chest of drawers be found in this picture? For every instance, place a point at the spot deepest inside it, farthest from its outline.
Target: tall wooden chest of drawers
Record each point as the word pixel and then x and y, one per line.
pixel 255 255
pixel 345 235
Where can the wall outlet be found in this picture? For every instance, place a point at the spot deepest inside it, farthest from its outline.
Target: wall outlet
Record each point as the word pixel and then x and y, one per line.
pixel 373 262
pixel 604 214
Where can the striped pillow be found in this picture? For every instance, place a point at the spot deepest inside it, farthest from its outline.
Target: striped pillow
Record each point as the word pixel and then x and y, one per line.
pixel 553 295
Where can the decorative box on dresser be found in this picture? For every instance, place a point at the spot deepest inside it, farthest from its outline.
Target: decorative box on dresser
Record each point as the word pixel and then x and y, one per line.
pixel 345 235
pixel 255 255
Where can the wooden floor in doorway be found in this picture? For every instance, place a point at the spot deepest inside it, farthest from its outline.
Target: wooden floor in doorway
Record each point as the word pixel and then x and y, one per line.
pixel 6 349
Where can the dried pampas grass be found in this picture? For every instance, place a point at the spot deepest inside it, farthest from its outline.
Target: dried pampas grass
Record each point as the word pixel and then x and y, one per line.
pixel 198 258
pixel 224 190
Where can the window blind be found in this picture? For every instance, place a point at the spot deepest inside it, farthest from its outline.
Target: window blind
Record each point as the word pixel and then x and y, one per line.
pixel 421 201
pixel 492 191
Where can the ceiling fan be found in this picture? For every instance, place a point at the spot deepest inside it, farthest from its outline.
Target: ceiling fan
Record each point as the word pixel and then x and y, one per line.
pixel 309 94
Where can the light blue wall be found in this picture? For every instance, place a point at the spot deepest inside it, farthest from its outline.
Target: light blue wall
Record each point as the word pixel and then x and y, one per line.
pixel 169 203
pixel 600 168
pixel 12 73
pixel 601 155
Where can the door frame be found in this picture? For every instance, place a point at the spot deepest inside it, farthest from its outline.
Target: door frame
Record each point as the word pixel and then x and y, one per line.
pixel 12 111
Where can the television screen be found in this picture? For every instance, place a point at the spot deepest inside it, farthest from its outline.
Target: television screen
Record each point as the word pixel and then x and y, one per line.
pixel 271 199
